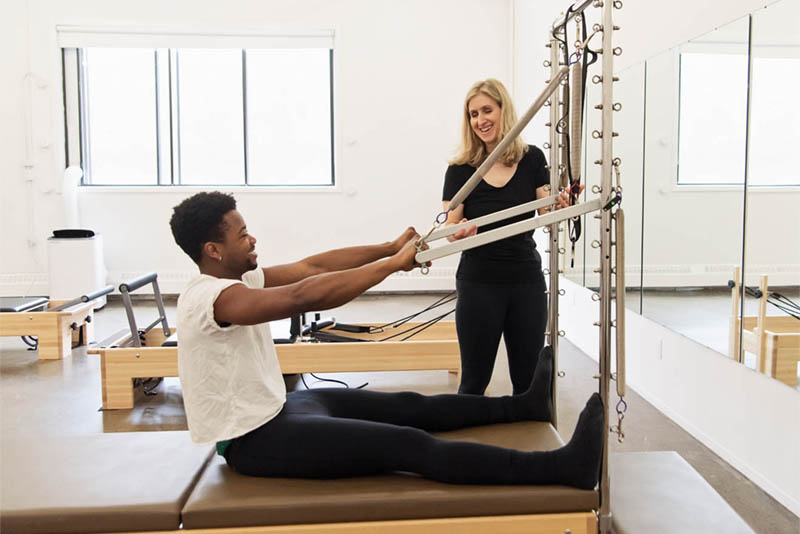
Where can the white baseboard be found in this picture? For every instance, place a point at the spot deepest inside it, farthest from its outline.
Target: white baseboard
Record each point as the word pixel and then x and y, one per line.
pixel 173 282
pixel 697 275
pixel 24 285
pixel 443 278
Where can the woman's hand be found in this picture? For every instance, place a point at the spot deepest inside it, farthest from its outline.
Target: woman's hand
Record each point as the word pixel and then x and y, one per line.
pixel 469 231
pixel 564 201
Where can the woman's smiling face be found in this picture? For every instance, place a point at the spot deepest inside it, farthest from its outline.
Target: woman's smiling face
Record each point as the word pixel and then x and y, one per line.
pixel 484 118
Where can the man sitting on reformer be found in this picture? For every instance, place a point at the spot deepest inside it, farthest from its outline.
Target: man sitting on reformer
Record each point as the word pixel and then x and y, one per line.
pixel 235 395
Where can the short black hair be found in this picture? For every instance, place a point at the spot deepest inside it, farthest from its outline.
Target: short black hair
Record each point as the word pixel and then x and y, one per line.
pixel 199 219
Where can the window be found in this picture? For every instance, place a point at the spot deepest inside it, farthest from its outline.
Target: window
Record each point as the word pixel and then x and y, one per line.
pixel 713 120
pixel 774 122
pixel 201 115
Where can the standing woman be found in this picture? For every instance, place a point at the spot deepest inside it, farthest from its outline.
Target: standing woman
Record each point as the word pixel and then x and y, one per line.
pixel 501 288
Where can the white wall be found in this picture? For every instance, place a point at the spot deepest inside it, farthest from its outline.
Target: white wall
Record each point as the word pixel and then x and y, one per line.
pixel 402 69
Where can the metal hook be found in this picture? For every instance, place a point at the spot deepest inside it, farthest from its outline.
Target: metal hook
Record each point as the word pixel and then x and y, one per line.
pixel 561 333
pixel 597 299
pixel 596 189
pixel 597 78
pixel 618 4
pixel 617 51
pixel 562 292
pixel 595 244
pixel 617 106
pixel 546 63
pixel 597 134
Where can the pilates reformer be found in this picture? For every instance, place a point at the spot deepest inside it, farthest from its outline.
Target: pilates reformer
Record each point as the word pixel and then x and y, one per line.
pixel 144 355
pixel 51 327
pixel 774 340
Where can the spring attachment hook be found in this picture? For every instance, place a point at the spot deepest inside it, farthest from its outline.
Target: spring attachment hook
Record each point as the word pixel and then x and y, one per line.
pixel 419 244
pixel 616 194
pixel 622 407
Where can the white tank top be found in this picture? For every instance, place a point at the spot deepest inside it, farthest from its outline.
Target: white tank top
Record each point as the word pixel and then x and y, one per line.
pixel 230 376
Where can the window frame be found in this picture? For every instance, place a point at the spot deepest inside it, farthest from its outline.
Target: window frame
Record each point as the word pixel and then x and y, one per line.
pixel 74 78
pixel 683 187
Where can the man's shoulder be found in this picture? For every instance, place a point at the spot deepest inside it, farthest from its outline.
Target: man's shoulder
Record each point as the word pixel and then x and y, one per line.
pixel 201 287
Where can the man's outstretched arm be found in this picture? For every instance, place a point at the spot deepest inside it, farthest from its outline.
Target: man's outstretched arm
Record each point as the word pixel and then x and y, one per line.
pixel 333 261
pixel 239 304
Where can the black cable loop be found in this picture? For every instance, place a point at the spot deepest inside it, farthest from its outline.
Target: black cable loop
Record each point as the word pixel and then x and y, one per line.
pixel 398 322
pixel 420 327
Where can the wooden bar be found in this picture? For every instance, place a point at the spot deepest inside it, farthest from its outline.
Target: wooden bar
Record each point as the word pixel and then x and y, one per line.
pixel 574 523
pixel 435 349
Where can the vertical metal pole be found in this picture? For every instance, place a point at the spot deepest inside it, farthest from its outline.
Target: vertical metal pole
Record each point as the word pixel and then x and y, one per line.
pixel 126 300
pixel 555 169
pixel 605 252
pixel 162 313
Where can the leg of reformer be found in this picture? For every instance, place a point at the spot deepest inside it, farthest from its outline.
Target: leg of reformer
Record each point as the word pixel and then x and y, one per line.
pixel 55 338
pixel 117 387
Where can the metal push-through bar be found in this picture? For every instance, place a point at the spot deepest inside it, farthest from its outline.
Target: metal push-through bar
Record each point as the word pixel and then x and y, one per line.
pixel 82 299
pixel 507 231
pixel 560 22
pixel 493 217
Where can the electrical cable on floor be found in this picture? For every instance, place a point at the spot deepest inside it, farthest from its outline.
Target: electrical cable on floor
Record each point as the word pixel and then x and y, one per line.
pixel 322 379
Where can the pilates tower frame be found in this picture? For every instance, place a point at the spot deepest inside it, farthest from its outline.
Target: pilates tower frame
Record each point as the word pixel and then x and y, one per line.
pixel 611 239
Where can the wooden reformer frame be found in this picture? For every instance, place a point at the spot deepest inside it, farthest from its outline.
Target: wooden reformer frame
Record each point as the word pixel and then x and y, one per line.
pixel 121 360
pixel 57 324
pixel 573 523
pixel 775 341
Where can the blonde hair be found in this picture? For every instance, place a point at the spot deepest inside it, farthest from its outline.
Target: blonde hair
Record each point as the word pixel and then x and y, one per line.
pixel 472 149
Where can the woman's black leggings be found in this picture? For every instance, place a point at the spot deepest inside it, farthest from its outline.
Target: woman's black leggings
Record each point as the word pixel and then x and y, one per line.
pixel 331 433
pixel 484 311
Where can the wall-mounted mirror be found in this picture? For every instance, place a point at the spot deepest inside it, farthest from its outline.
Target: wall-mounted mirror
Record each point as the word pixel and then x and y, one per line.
pixel 628 122
pixel 770 336
pixel 694 174
pixel 711 195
